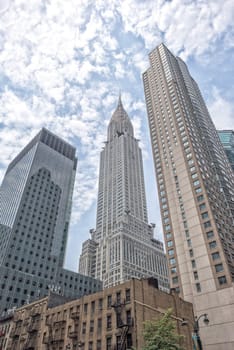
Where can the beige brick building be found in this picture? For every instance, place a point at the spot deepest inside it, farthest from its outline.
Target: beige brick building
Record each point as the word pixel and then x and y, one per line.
pixel 111 319
pixel 5 328
pixel 196 190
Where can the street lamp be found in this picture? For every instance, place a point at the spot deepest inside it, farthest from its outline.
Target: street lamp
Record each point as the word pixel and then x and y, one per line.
pixel 196 328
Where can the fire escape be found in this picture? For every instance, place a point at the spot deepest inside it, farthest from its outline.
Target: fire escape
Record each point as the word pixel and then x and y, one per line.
pixel 122 326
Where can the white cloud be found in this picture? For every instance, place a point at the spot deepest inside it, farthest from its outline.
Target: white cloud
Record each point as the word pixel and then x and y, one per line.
pixel 221 111
pixel 4 4
pixel 62 65
pixel 190 27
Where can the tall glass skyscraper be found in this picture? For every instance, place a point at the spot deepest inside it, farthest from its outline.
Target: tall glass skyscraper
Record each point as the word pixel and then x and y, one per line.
pixel 122 246
pixel 196 191
pixel 227 139
pixel 35 206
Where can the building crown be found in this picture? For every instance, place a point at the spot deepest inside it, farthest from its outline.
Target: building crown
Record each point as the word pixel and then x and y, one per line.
pixel 120 122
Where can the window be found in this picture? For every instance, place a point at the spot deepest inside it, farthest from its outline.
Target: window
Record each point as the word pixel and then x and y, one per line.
pixel 129 341
pixel 85 308
pixel 128 295
pixel 118 342
pixel 212 244
pixel 118 298
pixel 170 243
pixel 210 234
pixel 172 261
pixel 173 270
pixel 202 206
pixel 99 324
pixel 195 275
pixel 108 343
pixel 90 345
pixel 191 253
pixel 189 242
pixel 207 224
pixel 108 322
pixel 219 267
pixel 118 319
pixel 91 328
pixel 198 287
pixel 193 262
pixel 198 190
pixel 196 183
pixel 222 280
pixel 99 344
pixel 200 198
pixel 128 318
pixel 109 300
pixel 168 235
pixel 215 256
pixel 84 328
pixel 171 252
pixel 175 280
pixel 100 302
pixel 92 306
pixel 204 215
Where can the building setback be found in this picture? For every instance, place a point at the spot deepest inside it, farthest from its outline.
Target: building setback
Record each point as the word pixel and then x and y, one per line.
pixel 111 319
pixel 122 246
pixel 195 185
pixel 227 139
pixel 36 197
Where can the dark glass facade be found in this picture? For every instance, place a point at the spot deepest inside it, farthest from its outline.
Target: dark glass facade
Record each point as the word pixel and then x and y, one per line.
pixel 227 139
pixel 34 219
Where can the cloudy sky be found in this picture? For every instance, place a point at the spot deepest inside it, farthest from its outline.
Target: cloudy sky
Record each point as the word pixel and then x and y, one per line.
pixel 62 64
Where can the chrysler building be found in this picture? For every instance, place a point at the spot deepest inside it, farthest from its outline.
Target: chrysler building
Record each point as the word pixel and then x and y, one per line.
pixel 122 246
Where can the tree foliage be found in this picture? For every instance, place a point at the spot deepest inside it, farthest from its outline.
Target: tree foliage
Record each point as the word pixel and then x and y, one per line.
pixel 161 334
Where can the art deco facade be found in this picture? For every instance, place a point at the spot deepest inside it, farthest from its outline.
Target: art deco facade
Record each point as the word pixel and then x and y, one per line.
pixel 36 195
pixel 111 319
pixel 122 246
pixel 227 139
pixel 195 185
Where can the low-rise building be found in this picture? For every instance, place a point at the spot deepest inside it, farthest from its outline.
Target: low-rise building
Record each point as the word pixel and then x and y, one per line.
pixel 112 319
pixel 5 327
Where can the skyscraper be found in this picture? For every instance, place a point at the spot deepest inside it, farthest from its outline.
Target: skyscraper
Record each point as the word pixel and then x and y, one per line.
pixel 122 246
pixel 195 185
pixel 35 198
pixel 227 139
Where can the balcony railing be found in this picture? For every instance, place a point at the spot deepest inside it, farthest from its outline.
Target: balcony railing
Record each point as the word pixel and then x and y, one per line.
pixel 18 317
pixel 75 314
pixel 15 332
pixel 73 334
pixel 59 322
pixel 35 312
pixel 23 337
pixel 58 338
pixel 33 327
pixel 31 343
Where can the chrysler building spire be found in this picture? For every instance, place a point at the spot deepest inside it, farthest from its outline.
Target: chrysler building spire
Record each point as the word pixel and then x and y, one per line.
pixel 120 122
pixel 122 246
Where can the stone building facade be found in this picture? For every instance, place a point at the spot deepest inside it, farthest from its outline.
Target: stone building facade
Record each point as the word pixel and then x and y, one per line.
pixel 111 319
pixel 123 245
pixel 6 322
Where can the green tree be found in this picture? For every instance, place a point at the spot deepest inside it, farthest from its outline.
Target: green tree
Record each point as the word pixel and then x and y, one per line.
pixel 161 334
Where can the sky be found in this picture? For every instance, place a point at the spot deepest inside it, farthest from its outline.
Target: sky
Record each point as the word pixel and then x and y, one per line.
pixel 63 63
